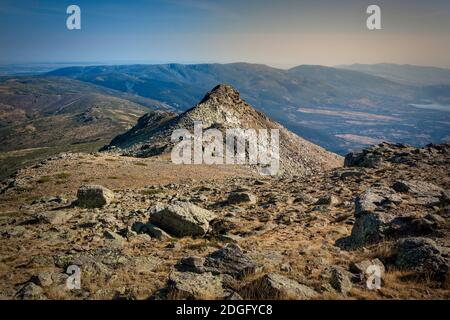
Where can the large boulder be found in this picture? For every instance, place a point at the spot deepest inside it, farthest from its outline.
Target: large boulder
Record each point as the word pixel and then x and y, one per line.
pixel 183 219
pixel 376 220
pixel 273 286
pixel 94 196
pixel 375 199
pixel 421 255
pixel 424 193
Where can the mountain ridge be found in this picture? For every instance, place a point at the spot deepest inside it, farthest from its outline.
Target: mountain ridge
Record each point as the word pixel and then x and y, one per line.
pixel 222 108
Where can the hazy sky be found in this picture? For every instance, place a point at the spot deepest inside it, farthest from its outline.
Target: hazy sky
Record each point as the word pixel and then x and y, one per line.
pixel 279 32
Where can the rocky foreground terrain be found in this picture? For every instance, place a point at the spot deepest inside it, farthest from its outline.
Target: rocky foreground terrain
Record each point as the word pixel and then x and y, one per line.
pixel 148 229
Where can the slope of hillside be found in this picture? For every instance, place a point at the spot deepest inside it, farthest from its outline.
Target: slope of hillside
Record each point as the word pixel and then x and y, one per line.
pixel 291 233
pixel 222 108
pixel 41 116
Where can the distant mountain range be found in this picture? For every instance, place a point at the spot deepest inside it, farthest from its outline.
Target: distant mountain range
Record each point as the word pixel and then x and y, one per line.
pixel 407 74
pixel 337 108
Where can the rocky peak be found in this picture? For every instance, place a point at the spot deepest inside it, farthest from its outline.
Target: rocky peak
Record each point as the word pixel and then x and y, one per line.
pixel 222 108
pixel 222 93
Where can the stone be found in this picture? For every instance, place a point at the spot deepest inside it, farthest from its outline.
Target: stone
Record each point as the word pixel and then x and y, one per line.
pixel 54 217
pixel 110 235
pixel 425 193
pixel 241 197
pixel 273 286
pixel 151 230
pixel 191 264
pixel 382 225
pixel 375 199
pixel 94 196
pixel 360 268
pixel 43 279
pixel 421 255
pixel 230 260
pixel 194 286
pixel 328 200
pixel 340 280
pixel 375 221
pixel 31 291
pixel 183 219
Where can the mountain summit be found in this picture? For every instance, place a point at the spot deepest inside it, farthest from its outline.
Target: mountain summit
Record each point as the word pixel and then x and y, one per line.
pixel 222 108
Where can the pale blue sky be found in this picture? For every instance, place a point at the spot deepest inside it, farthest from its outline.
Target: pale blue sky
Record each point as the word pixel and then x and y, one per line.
pixel 279 32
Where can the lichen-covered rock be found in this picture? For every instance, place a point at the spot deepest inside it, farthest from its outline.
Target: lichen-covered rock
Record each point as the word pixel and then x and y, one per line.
pixel 241 197
pixel 94 196
pixel 421 255
pixel 376 220
pixel 183 219
pixel 375 199
pixel 194 286
pixel 31 291
pixel 340 280
pixel 424 193
pixel 230 260
pixel 54 217
pixel 275 286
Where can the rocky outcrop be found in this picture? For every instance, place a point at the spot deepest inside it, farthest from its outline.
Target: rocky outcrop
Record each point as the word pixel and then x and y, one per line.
pixel 388 154
pixel 222 109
